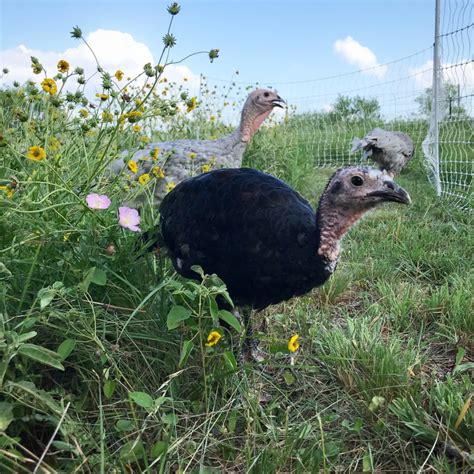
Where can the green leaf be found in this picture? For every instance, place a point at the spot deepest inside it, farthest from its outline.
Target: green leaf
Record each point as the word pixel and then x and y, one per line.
pixel 109 388
pixel 460 355
pixel 99 277
pixel 132 451
pixel 230 360
pixel 158 449
pixel 176 315
pixel 142 399
pixel 66 347
pixel 185 353
pixel 25 337
pixel 124 425
pixel 6 415
pixel 367 463
pixel 197 269
pixel 289 378
pixel 169 419
pixel 46 295
pixel 41 354
pixel 214 309
pixel 463 367
pixel 230 319
pixel 62 446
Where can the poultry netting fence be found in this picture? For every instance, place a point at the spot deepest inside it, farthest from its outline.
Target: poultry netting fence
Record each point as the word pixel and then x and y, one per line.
pixel 325 114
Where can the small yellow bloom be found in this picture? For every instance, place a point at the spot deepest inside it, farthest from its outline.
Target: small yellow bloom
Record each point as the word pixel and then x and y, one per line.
pixel 205 168
pixel 119 75
pixel 134 116
pixel 145 139
pixel 191 104
pixel 107 117
pixel 63 66
pixel 212 118
pixel 144 179
pixel 102 97
pixel 36 153
pixel 158 172
pixel 213 338
pixel 66 236
pixel 293 343
pixel 155 153
pixel 136 128
pixel 49 86
pixel 84 113
pixel 132 166
pixel 170 186
pixel 54 144
pixel 192 156
pixel 8 191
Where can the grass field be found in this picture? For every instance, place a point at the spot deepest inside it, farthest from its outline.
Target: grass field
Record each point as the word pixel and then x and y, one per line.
pixel 104 366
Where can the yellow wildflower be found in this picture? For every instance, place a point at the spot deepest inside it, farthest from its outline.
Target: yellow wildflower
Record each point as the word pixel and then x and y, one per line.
pixel 293 343
pixel 107 117
pixel 192 155
pixel 119 75
pixel 63 66
pixel 36 153
pixel 213 338
pixel 49 86
pixel 136 128
pixel 66 236
pixel 145 139
pixel 132 166
pixel 191 104
pixel 54 144
pixel 158 172
pixel 205 168
pixel 102 97
pixel 144 179
pixel 134 116
pixel 155 153
pixel 84 113
pixel 170 186
pixel 8 190
pixel 212 118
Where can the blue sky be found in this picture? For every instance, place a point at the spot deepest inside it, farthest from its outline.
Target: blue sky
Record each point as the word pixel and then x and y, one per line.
pixel 270 41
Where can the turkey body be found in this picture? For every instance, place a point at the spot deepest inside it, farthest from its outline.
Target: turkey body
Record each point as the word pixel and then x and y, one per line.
pixel 254 231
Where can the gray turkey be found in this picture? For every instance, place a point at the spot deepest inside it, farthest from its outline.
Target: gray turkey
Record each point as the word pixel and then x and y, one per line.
pixel 181 159
pixel 391 150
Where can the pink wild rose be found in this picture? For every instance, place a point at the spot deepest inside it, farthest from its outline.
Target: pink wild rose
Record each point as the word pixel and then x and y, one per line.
pixel 129 218
pixel 98 201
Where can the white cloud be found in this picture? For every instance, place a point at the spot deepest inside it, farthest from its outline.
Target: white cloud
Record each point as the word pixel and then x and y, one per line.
pixel 355 53
pixel 114 50
pixel 461 73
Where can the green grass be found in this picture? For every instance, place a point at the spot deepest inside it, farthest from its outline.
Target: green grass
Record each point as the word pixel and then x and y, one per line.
pixel 89 363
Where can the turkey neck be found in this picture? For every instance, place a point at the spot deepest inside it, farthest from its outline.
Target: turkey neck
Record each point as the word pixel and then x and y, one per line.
pixel 333 223
pixel 250 122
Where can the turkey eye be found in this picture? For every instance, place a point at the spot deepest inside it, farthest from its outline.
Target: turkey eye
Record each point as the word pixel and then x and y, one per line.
pixel 266 94
pixel 357 181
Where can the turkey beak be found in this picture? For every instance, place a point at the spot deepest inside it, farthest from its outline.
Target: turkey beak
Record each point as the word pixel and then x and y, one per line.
pixel 278 101
pixel 391 192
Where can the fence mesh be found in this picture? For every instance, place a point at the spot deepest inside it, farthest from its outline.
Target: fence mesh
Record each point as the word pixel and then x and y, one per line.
pixel 328 112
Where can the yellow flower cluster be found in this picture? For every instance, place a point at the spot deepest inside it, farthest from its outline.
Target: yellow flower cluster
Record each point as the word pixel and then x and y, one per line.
pixel 119 75
pixel 213 338
pixel 170 186
pixel 49 86
pixel 84 113
pixel 191 104
pixel 293 343
pixel 8 190
pixel 192 155
pixel 107 116
pixel 154 153
pixel 36 153
pixel 63 66
pixel 158 172
pixel 144 179
pixel 102 97
pixel 132 166
pixel 136 128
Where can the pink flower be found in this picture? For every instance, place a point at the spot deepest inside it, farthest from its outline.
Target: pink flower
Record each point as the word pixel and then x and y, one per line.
pixel 129 218
pixel 97 201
